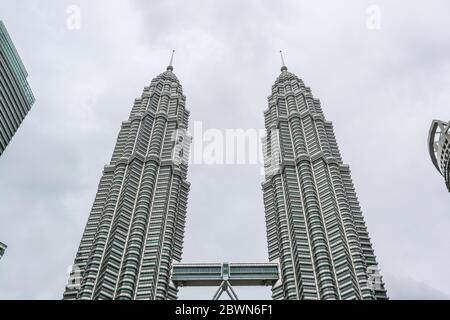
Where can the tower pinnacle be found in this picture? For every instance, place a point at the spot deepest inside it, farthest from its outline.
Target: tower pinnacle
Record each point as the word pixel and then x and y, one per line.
pixel 170 67
pixel 283 65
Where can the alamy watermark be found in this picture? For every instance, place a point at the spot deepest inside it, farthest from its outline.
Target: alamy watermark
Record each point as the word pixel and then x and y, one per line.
pixel 74 273
pixel 373 21
pixel 212 146
pixel 73 17
pixel 374 280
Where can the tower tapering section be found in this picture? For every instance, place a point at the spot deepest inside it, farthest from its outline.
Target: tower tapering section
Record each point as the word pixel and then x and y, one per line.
pixel 135 229
pixel 315 228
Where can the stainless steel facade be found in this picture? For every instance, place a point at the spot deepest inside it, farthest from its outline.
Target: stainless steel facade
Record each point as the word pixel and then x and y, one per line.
pixel 315 227
pixel 16 97
pixel 135 229
pixel 439 148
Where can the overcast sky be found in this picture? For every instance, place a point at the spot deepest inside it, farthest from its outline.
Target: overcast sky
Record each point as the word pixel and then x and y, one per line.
pixel 380 68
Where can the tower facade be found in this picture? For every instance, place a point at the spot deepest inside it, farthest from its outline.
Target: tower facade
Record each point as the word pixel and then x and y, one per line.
pixel 135 229
pixel 315 228
pixel 439 148
pixel 16 97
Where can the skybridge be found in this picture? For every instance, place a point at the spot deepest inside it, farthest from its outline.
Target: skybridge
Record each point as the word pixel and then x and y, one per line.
pixel 225 276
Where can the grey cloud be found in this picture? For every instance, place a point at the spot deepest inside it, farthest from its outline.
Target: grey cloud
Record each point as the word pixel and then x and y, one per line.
pixel 407 288
pixel 380 88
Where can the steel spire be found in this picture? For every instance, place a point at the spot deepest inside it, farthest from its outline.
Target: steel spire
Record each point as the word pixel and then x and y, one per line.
pixel 170 67
pixel 283 64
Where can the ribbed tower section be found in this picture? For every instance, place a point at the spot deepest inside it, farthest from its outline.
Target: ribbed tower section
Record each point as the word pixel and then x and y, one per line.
pixel 315 228
pixel 135 229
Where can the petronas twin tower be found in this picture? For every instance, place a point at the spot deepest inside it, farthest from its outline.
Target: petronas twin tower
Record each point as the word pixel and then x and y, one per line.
pixel 317 238
pixel 136 226
pixel 315 228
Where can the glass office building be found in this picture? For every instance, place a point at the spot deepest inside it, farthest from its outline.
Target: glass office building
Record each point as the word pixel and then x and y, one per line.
pixel 16 98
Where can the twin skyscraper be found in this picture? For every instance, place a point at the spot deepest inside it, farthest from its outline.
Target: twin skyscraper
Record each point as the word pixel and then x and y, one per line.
pixel 318 244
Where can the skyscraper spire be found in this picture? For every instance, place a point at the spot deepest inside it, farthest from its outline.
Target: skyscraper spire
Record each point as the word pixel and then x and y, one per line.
pixel 283 65
pixel 170 67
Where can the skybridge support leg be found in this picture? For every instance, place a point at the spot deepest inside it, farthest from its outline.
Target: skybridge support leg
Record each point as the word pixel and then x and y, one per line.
pixel 225 287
